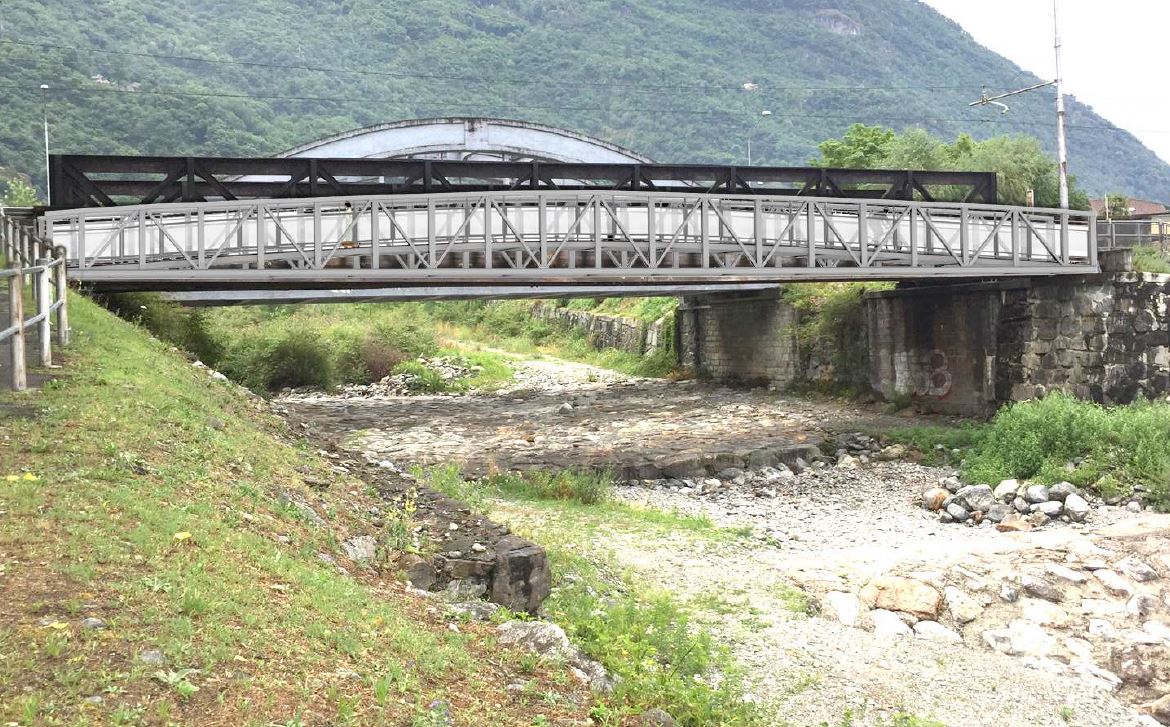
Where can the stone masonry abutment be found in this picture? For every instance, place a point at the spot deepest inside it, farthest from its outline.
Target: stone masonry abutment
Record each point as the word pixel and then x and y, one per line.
pixel 963 349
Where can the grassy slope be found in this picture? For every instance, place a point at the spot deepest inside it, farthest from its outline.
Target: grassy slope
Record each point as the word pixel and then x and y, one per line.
pixel 133 448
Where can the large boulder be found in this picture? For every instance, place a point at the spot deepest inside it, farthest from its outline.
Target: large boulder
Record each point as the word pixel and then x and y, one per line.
pixel 887 625
pixel 934 498
pixel 844 607
pixel 1159 709
pixel 1006 490
pixel 934 631
pixel 963 608
pixel 539 637
pixel 1076 507
pixel 521 579
pixel 895 593
pixel 1061 490
pixel 1036 494
pixel 1020 638
pixel 976 498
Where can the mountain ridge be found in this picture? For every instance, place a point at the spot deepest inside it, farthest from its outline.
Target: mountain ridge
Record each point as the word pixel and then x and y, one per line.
pixel 663 78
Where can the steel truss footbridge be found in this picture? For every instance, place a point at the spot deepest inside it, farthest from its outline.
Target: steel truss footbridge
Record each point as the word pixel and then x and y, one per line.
pixel 222 231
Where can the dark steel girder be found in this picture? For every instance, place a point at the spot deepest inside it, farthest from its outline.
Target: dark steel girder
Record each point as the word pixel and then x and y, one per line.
pixel 105 181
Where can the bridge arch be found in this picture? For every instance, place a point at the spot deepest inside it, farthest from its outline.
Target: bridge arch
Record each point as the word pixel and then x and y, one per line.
pixel 464 138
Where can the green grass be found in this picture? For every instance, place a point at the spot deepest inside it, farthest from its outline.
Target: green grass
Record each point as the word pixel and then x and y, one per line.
pixel 1150 259
pixel 509 325
pixel 121 493
pixel 647 310
pixel 644 636
pixel 1115 448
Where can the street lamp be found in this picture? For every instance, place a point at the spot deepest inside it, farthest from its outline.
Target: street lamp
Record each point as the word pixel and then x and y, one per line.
pixel 763 115
pixel 45 113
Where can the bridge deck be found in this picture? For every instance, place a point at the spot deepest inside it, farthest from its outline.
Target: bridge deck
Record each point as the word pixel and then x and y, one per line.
pixel 563 238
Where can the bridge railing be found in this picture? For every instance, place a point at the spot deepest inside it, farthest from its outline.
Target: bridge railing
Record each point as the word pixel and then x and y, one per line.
pixel 1130 233
pixel 30 264
pixel 574 235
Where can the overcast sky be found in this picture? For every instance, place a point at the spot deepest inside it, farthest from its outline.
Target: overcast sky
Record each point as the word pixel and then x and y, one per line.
pixel 1116 53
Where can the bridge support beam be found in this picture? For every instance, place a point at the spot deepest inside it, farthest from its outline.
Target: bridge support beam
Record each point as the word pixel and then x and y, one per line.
pixel 959 349
pixel 747 337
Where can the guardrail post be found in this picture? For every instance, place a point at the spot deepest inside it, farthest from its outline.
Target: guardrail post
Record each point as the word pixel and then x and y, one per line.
pixel 44 329
pixel 18 380
pixel 63 299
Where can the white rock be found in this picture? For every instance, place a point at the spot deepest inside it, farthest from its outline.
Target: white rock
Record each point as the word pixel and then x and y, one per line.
pixel 1065 574
pixel 1006 490
pixel 1114 583
pixel 844 607
pixel 1101 607
pixel 1095 674
pixel 1077 508
pixel 1141 605
pixel 1144 638
pixel 1079 648
pixel 934 631
pixel 361 549
pixel 1136 569
pixel 963 608
pixel 1158 629
pixel 1102 629
pixel 1044 613
pixel 887 625
pixel 1020 638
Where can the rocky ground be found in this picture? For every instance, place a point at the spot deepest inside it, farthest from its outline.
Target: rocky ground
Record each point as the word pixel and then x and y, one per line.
pixel 848 594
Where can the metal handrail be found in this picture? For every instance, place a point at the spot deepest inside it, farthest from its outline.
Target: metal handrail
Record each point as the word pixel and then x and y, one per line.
pixel 27 255
pixel 568 235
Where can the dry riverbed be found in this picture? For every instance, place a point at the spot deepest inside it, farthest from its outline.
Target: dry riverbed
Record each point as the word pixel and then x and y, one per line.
pixel 829 582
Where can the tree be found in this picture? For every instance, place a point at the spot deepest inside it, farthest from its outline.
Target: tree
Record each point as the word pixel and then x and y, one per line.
pixel 1118 206
pixel 1019 161
pixel 19 193
pixel 860 148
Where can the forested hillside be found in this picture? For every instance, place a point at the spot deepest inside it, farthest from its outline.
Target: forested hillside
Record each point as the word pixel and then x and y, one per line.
pixel 665 77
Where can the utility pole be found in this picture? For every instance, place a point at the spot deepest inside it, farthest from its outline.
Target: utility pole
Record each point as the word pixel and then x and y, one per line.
pixel 1061 139
pixel 45 113
pixel 1061 134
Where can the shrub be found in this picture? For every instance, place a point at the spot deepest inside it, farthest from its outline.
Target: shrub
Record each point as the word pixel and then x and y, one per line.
pixel 300 358
pixel 1150 259
pixel 380 358
pixel 168 321
pixel 1114 448
pixel 424 380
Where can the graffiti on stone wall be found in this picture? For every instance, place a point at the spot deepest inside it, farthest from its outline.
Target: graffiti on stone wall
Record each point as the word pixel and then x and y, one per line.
pixel 934 375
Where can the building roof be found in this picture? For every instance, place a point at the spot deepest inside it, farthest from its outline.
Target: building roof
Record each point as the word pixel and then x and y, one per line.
pixel 1137 207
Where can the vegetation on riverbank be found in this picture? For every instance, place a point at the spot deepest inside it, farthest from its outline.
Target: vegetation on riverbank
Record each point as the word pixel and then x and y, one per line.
pixel 1112 450
pixel 831 316
pixel 138 491
pixel 1150 259
pixel 267 348
pixel 645 637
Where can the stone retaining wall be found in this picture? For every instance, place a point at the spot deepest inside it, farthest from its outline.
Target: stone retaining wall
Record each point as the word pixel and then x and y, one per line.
pixel 963 349
pixel 602 331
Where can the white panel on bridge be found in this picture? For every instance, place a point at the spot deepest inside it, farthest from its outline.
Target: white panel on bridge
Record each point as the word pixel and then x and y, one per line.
pixel 565 237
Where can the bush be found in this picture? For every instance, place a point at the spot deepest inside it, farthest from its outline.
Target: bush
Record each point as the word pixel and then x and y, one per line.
pixel 1115 448
pixel 584 486
pixel 426 381
pixel 168 321
pixel 380 358
pixel 1150 259
pixel 299 359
